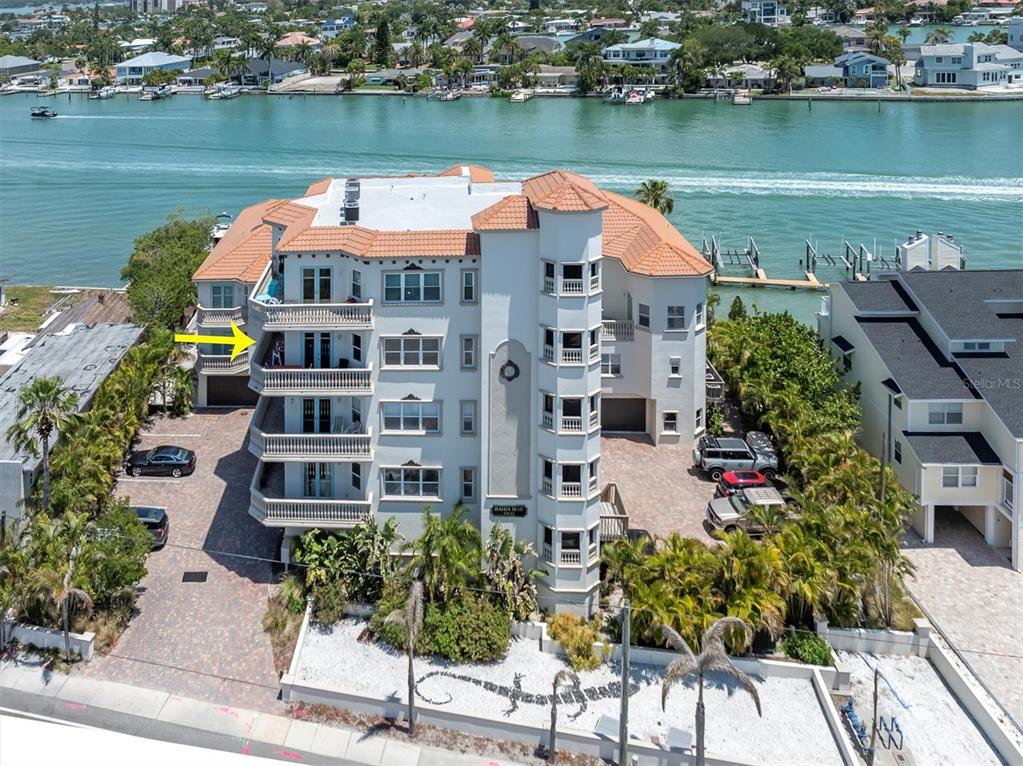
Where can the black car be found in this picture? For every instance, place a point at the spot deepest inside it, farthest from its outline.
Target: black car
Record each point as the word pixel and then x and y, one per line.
pixel 155 520
pixel 162 461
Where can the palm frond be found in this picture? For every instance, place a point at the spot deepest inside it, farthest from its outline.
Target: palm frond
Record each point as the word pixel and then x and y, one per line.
pixel 725 667
pixel 716 632
pixel 677 672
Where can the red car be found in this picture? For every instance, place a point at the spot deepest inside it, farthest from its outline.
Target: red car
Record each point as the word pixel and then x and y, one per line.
pixel 732 481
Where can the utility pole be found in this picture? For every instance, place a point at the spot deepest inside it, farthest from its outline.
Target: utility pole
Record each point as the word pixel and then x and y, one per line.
pixel 623 723
pixel 873 723
pixel 884 464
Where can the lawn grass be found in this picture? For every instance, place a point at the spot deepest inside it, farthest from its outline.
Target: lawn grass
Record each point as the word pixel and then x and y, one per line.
pixel 32 302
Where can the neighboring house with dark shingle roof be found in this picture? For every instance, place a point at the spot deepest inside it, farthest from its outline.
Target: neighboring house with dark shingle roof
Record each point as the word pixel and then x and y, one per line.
pixel 939 358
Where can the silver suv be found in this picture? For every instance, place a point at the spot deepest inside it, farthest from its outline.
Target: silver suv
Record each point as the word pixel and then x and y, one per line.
pixel 733 512
pixel 717 456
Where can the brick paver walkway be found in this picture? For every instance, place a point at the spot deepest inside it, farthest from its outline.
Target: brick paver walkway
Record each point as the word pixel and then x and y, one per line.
pixel 977 601
pixel 661 490
pixel 202 640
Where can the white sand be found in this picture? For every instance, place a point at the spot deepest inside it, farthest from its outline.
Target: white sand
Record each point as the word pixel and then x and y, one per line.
pixel 792 731
pixel 937 731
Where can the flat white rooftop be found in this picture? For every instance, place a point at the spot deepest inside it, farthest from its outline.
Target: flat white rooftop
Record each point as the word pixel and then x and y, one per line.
pixel 414 203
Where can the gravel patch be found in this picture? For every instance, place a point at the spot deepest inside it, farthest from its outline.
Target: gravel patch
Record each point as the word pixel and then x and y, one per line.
pixel 936 729
pixel 792 731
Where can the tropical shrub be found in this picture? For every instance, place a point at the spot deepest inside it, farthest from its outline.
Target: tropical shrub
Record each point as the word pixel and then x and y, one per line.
pixel 469 629
pixel 114 558
pixel 715 420
pixel 447 555
pixel 807 648
pixel 507 573
pixel 578 638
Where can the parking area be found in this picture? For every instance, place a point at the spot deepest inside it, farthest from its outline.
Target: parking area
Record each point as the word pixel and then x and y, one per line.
pixel 661 489
pixel 200 635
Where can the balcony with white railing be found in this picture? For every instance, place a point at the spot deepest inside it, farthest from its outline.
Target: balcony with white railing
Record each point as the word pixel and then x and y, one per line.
pixel 268 505
pixel 548 285
pixel 219 317
pixel 594 419
pixel 571 287
pixel 548 421
pixel 548 552
pixel 316 316
pixel 548 354
pixel 595 352
pixel 571 423
pixel 571 489
pixel 295 381
pixel 571 557
pixel 616 329
pixel 548 486
pixel 593 554
pixel 345 443
pixel 221 364
pixel 571 356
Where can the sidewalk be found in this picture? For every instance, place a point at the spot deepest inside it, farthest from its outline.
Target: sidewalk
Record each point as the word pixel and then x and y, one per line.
pixel 143 711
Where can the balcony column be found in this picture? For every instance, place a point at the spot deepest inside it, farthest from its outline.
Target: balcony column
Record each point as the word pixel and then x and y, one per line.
pixel 990 521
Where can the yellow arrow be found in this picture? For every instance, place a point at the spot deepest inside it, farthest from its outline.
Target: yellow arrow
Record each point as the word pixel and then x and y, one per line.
pixel 238 339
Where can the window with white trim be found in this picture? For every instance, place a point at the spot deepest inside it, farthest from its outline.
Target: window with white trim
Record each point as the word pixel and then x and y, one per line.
pixel 676 317
pixel 412 287
pixel 897 451
pixel 611 364
pixel 415 417
pixel 319 480
pixel 222 296
pixel 468 484
pixel 675 367
pixel 411 481
pixel 959 476
pixel 1007 488
pixel 468 418
pixel 357 284
pixel 945 413
pixel 356 476
pixel 468 352
pixel 670 423
pixel 356 347
pixel 644 315
pixel 411 351
pixel 469 285
pixel 700 318
pixel 699 418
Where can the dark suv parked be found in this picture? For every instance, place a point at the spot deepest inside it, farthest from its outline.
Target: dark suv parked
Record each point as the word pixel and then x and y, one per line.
pixel 716 456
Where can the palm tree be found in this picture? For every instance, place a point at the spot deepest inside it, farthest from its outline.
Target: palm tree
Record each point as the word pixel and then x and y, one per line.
pixel 411 621
pixel 875 33
pixel 473 49
pixel 44 406
pixel 415 54
pixel 893 52
pixel 562 678
pixel 267 51
pixel 712 658
pixel 786 69
pixel 329 53
pixel 938 36
pixel 447 554
pixel 656 194
pixel 356 68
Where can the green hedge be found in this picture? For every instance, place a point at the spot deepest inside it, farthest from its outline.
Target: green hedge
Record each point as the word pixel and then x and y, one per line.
pixel 808 648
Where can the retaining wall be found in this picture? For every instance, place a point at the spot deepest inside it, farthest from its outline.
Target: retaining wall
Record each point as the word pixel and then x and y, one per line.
pixel 47 638
pixel 896 642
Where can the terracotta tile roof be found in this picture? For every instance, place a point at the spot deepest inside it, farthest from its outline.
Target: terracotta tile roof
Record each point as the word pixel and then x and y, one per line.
pixel 646 243
pixel 318 187
pixel 513 213
pixel 369 243
pixel 563 192
pixel 244 251
pixel 477 174
pixel 290 213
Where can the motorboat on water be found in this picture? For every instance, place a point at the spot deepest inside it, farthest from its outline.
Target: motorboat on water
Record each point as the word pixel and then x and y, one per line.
pixel 107 91
pixel 741 98
pixel 42 112
pixel 635 97
pixel 521 96
pixel 222 91
pixel 155 93
pixel 615 96
pixel 451 95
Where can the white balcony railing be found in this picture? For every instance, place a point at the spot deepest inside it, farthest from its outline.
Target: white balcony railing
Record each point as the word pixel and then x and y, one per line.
pixel 548 486
pixel 571 489
pixel 305 512
pixel 221 317
pixel 592 485
pixel 548 552
pixel 616 329
pixel 287 381
pixel 302 316
pixel 594 419
pixel 593 554
pixel 595 282
pixel 595 352
pixel 572 558
pixel 571 423
pixel 572 355
pixel 288 447
pixel 222 364
pixel 548 285
pixel 548 354
pixel 548 420
pixel 572 286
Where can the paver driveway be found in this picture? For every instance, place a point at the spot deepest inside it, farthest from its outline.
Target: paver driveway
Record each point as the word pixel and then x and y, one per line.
pixel 976 599
pixel 202 640
pixel 661 490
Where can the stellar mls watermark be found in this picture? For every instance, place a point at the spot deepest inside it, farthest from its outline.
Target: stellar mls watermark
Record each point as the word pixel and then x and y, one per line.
pixel 995 384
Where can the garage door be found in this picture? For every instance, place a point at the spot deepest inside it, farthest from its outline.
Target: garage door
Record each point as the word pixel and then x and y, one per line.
pixel 623 415
pixel 226 390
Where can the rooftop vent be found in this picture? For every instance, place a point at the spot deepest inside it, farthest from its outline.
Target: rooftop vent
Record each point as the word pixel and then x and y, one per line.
pixel 350 214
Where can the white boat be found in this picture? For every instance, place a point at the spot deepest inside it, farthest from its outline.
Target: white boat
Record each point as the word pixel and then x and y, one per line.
pixel 741 98
pixel 521 96
pixel 222 91
pixel 155 93
pixel 107 91
pixel 636 97
pixel 649 94
pixel 451 95
pixel 916 21
pixel 615 96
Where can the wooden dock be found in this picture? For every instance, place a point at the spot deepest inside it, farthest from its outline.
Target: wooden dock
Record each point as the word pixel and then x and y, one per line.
pixel 762 280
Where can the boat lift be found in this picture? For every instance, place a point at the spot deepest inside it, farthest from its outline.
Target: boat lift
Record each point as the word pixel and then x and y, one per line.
pixel 725 259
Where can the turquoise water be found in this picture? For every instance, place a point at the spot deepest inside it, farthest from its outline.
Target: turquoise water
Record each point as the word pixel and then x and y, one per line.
pixel 918 35
pixel 76 190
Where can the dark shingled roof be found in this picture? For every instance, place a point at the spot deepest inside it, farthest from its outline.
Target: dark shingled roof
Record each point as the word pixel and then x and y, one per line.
pixel 960 303
pixel 883 296
pixel 951 448
pixel 914 361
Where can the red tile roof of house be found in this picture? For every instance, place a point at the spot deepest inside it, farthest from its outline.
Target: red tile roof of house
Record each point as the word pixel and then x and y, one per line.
pixel 318 187
pixel 371 243
pixel 243 252
pixel 563 192
pixel 477 174
pixel 645 241
pixel 510 214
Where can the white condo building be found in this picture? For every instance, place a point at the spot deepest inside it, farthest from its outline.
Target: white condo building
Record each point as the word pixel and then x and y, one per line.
pixel 430 340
